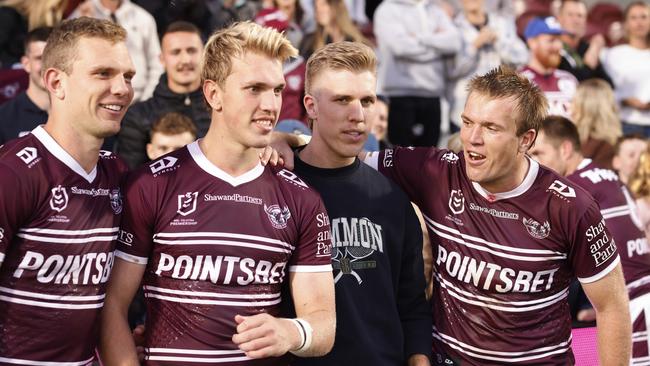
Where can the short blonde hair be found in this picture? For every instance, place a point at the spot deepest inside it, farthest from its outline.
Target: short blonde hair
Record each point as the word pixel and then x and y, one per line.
pixel 61 47
pixel 237 39
pixel 348 56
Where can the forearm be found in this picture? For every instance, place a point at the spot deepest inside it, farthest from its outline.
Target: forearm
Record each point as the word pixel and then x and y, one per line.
pixel 116 342
pixel 614 337
pixel 323 325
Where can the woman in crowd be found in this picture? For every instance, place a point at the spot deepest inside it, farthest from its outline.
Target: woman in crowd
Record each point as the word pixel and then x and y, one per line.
pixel 333 24
pixel 595 114
pixel 639 185
pixel 629 67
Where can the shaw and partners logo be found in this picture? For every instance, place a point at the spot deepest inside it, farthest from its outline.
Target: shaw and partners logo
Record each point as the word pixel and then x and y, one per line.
pixel 187 203
pixel 59 199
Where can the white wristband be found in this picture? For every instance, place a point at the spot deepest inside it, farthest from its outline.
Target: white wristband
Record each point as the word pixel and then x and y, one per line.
pixel 306 336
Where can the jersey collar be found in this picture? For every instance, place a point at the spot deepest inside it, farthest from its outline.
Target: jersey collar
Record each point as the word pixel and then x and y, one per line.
pixel 518 191
pixel 205 164
pixel 55 149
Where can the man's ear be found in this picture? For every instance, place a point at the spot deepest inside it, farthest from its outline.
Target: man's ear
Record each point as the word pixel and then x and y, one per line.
pixel 566 149
pixel 213 95
pixel 55 82
pixel 310 106
pixel 527 140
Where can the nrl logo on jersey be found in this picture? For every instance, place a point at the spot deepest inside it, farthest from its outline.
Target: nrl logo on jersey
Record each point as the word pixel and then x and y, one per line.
pixel 450 157
pixel 187 203
pixel 162 165
pixel 278 216
pixel 59 199
pixel 29 156
pixel 537 230
pixel 116 201
pixel 457 202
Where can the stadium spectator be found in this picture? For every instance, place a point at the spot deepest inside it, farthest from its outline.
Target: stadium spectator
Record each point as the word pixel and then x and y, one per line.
pixel 333 24
pixel 142 40
pixel 627 151
pixel 60 202
pixel 594 111
pixel 171 132
pixel 558 147
pixel 179 90
pixel 288 11
pixel 241 225
pixel 414 38
pixel 225 12
pixel 627 64
pixel 579 57
pixel 379 122
pixel 502 262
pixel 639 184
pixel 293 68
pixel 28 109
pixel 559 86
pixel 489 40
pixel 385 274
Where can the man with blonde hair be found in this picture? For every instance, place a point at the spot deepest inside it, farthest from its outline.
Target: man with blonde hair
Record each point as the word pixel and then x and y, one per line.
pixel 212 233
pixel 383 316
pixel 60 201
pixel 509 237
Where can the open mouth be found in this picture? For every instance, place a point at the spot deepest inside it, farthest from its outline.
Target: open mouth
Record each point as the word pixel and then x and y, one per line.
pixel 264 123
pixel 112 107
pixel 474 156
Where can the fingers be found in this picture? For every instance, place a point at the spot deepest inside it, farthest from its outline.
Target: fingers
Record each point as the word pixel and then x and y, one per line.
pixel 261 335
pixel 270 156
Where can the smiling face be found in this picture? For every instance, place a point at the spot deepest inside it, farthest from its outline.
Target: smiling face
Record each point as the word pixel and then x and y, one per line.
pixel 180 54
pixel 247 106
pixel 97 91
pixel 32 62
pixel 494 154
pixel 340 103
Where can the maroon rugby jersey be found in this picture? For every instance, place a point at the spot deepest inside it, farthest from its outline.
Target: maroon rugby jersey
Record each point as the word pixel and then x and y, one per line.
pixel 558 87
pixel 619 211
pixel 216 246
pixel 503 262
pixel 58 226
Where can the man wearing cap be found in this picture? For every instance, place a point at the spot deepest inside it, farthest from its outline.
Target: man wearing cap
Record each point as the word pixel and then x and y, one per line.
pixel 543 39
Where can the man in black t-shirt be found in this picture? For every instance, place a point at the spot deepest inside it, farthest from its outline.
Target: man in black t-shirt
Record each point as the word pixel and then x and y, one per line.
pixel 383 317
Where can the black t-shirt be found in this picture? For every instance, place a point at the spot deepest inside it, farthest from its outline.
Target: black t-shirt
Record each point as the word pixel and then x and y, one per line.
pixel 18 117
pixel 382 314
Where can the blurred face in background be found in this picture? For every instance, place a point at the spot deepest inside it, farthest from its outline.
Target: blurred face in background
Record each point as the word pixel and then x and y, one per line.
pixel 180 54
pixel 472 5
pixel 32 62
pixel 379 125
pixel 573 18
pixel 637 22
pixel 323 12
pixel 627 159
pixel 546 49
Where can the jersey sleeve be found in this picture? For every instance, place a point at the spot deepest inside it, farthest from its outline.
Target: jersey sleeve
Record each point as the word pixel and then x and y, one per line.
pixel 409 167
pixel 593 253
pixel 14 207
pixel 313 251
pixel 135 240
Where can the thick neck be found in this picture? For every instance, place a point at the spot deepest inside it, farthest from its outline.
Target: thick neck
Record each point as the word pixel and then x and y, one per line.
pixel 226 154
pixel 573 162
pixel 318 154
pixel 639 42
pixel 534 64
pixel 82 147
